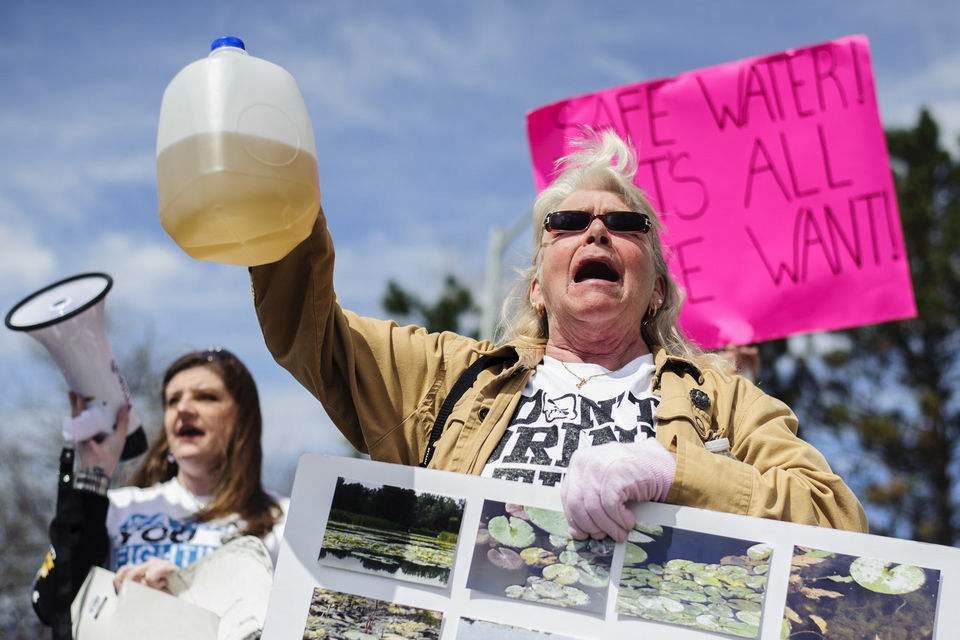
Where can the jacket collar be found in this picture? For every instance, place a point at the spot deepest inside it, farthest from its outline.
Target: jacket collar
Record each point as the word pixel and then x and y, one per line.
pixel 676 364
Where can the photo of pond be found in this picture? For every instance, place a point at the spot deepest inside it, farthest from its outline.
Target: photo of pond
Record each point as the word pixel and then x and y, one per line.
pixel 832 596
pixel 392 532
pixel 527 553
pixel 342 616
pixel 693 579
pixel 471 629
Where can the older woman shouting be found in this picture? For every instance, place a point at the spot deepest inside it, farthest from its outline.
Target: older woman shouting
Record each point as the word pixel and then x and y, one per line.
pixel 594 388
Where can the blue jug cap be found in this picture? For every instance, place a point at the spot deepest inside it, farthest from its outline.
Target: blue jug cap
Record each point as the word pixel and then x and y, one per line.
pixel 227 41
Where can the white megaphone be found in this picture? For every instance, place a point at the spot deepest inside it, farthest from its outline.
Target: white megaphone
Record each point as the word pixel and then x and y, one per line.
pixel 66 317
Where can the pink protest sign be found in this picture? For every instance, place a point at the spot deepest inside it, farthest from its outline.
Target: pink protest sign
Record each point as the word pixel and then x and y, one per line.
pixel 773 181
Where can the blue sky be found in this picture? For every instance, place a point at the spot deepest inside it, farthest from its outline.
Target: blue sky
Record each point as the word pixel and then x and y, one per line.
pixel 418 110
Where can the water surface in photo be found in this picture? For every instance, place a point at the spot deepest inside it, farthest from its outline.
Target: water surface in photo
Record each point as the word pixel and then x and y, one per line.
pixel 693 579
pixel 527 553
pixel 392 532
pixel 833 596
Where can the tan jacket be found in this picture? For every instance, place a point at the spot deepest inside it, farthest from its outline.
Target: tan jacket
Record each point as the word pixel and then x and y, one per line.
pixel 383 384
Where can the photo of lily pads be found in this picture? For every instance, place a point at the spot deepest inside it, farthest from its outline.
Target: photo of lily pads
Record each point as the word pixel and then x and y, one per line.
pixel 832 596
pixel 527 553
pixel 393 532
pixel 694 579
pixel 342 616
pixel 471 629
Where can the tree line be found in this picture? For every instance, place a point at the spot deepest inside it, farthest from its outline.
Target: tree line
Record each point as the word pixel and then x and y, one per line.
pixel 399 509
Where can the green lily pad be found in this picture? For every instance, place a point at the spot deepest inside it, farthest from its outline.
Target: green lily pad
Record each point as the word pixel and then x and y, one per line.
pixel 706 580
pixel 759 552
pixel 744 605
pixel 649 529
pixel 677 565
pixel 749 617
pixel 513 532
pixel 593 576
pixel 575 596
pixel 639 537
pixel 514 591
pixel 505 558
pixel 634 554
pixel 562 574
pixel 551 521
pixel 707 622
pixel 569 557
pixel 886 577
pixel 690 596
pixel 546 588
pixel 838 578
pixel 720 609
pixel 559 542
pixel 757 582
pixel 535 556
pixel 660 603
pixel 738 628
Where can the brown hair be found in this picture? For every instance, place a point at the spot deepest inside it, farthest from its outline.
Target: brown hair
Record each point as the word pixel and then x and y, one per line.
pixel 239 489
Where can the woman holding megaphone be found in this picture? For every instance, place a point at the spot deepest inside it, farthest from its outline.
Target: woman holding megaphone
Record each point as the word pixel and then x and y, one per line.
pixel 198 487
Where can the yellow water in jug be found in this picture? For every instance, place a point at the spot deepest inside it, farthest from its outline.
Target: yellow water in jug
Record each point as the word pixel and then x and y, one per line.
pixel 237 199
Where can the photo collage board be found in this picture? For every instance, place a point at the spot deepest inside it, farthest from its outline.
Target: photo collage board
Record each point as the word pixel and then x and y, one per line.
pixel 374 550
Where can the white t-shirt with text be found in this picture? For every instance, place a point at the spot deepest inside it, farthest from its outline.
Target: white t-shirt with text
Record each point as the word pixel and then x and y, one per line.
pixel 157 522
pixel 555 418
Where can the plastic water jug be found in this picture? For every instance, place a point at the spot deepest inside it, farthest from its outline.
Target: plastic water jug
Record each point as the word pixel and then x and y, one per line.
pixel 236 159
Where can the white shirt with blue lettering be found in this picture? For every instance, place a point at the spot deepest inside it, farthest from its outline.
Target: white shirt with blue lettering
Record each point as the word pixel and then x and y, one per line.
pixel 157 522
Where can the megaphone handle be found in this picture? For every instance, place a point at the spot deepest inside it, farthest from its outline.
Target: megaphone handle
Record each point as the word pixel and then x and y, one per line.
pixel 134 445
pixel 63 626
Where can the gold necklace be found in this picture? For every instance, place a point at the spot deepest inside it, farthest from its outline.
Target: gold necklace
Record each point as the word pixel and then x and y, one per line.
pixel 582 380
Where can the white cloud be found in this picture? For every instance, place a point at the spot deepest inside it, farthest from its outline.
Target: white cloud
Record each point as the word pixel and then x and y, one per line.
pixel 373 57
pixel 362 269
pixel 25 261
pixel 936 86
pixel 294 423
pixel 139 168
pixel 155 280
pixel 615 70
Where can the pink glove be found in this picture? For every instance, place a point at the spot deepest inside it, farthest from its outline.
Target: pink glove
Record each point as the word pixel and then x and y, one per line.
pixel 601 480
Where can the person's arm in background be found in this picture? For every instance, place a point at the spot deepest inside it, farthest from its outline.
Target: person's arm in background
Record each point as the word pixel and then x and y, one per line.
pixel 78 533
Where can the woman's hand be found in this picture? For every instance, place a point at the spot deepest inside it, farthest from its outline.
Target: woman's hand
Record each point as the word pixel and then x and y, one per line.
pixel 104 450
pixel 601 480
pixel 153 573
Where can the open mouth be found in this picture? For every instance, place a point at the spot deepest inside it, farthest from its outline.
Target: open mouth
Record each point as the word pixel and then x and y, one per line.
pixel 189 432
pixel 596 270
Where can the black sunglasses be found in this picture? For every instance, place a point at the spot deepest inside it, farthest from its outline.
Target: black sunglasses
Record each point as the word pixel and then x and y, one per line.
pixel 620 221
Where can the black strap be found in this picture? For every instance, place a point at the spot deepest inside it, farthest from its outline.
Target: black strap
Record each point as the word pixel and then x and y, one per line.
pixel 464 382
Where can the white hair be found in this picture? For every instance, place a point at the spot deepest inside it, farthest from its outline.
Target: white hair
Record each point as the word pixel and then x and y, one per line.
pixel 600 161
